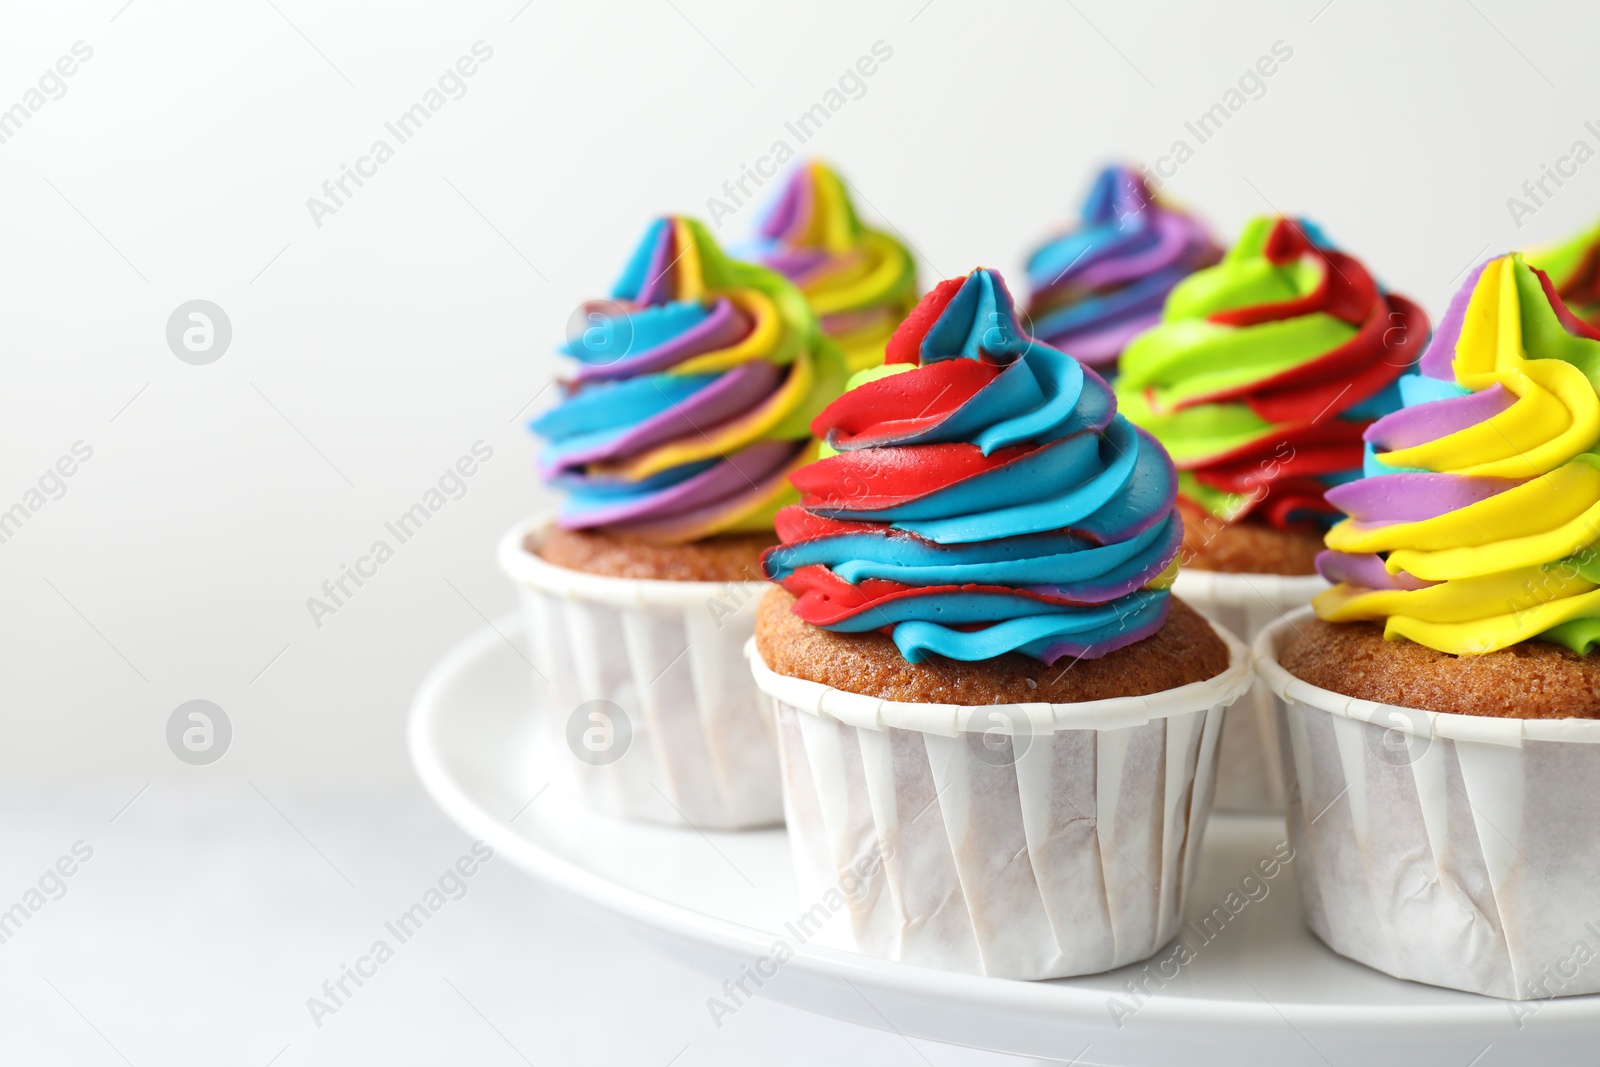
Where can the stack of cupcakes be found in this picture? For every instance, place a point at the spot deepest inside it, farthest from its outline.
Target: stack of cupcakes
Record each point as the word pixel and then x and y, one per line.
pixel 1260 379
pixel 996 720
pixel 978 700
pixel 1441 739
pixel 673 441
pixel 860 281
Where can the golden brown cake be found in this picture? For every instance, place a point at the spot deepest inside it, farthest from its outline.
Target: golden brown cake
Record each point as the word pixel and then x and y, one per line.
pixel 727 558
pixel 1531 680
pixel 1245 547
pixel 1185 650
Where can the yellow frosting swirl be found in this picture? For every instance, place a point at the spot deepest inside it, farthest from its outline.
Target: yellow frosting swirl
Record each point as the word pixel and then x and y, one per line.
pixel 1510 553
pixel 861 282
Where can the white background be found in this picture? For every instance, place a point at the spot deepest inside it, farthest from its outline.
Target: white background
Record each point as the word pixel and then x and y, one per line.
pixel 368 354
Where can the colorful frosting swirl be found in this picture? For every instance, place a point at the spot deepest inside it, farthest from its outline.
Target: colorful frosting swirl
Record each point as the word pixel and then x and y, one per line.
pixel 1264 372
pixel 980 495
pixel 861 282
pixel 1476 525
pixel 693 397
pixel 1097 287
pixel 1574 267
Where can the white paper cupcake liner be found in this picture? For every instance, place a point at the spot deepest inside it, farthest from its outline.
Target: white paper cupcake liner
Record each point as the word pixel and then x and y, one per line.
pixel 1456 850
pixel 1015 840
pixel 1249 772
pixel 646 694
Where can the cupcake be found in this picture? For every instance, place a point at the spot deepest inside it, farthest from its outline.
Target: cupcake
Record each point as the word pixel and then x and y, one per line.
pixel 1442 749
pixel 1097 287
pixel 1260 379
pixel 673 442
pixel 861 282
pixel 1573 266
pixel 997 725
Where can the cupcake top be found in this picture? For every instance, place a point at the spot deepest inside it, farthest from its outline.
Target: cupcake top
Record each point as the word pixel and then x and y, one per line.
pixel 1264 372
pixel 979 495
pixel 1097 287
pixel 691 402
pixel 1574 267
pixel 861 282
pixel 1474 527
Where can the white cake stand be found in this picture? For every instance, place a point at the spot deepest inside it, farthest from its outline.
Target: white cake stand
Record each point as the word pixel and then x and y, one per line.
pixel 1261 991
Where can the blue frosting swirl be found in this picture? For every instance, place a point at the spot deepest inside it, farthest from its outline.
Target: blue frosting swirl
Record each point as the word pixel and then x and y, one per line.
pixel 979 495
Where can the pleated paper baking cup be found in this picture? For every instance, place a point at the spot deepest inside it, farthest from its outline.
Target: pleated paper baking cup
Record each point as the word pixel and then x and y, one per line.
pixel 1014 840
pixel 1456 850
pixel 645 692
pixel 1249 773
